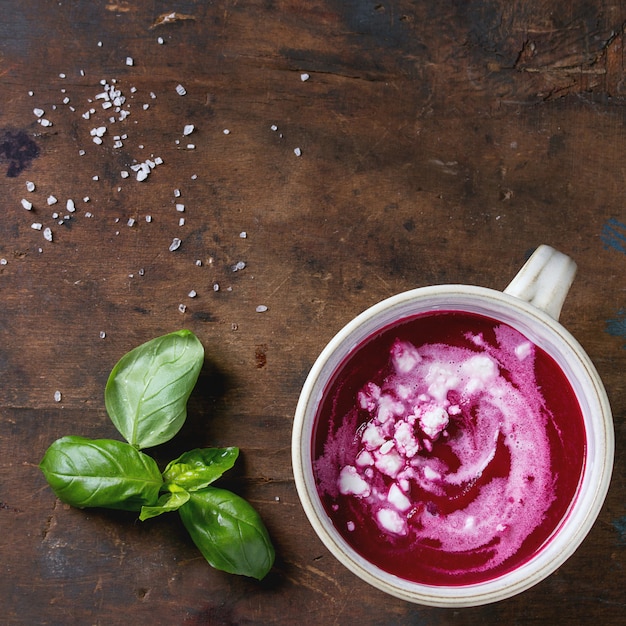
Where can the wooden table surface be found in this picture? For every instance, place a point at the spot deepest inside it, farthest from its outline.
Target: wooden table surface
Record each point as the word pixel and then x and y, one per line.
pixel 431 143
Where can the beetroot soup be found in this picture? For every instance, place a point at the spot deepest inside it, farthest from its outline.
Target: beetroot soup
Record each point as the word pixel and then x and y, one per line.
pixel 448 448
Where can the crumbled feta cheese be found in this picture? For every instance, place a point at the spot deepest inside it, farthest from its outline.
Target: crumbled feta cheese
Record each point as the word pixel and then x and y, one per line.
pixel 392 521
pixel 350 482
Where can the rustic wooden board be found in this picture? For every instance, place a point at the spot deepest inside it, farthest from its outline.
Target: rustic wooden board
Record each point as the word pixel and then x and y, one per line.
pixel 439 142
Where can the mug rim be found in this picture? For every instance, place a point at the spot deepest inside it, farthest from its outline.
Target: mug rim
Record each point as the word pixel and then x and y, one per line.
pixel 595 477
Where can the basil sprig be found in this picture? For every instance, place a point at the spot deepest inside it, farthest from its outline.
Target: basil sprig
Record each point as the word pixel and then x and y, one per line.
pixel 146 397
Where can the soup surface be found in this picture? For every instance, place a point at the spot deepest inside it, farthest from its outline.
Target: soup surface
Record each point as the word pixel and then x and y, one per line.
pixel 448 448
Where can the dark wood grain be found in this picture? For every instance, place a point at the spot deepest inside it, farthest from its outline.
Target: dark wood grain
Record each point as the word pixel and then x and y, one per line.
pixel 440 142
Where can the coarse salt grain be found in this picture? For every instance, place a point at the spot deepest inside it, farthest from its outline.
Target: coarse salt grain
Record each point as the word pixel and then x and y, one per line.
pixel 57 396
pixel 51 200
pixel 36 226
pixel 102 334
pixel 261 308
pixel 304 77
pixel 47 234
pixel 3 261
pixel 30 186
pixel 70 206
pixel 26 204
pixel 297 152
pixel 188 129
pixel 193 293
pixel 175 244
pixel 182 308
pixel 238 266
pixel 180 208
pixel 38 112
pixel 130 61
pixel 180 90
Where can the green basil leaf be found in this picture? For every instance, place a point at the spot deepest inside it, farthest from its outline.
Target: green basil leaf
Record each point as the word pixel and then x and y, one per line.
pixel 200 467
pixel 170 501
pixel 101 473
pixel 228 531
pixel 146 394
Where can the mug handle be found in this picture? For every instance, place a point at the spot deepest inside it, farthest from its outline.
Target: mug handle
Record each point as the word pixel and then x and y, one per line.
pixel 544 280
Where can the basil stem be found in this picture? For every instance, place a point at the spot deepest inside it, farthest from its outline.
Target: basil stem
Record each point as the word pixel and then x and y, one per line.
pixel 173 499
pixel 228 531
pixel 146 394
pixel 101 473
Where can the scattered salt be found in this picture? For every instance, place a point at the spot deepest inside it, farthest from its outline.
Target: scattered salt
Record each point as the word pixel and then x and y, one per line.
pixel 261 308
pixel 180 208
pixel 175 244
pixel 182 308
pixel 297 152
pixel 304 77
pixel 26 204
pixel 238 266
pixel 36 226
pixel 51 200
pixel 226 131
pixel 57 396
pixel 102 334
pixel 192 293
pixel 30 186
pixel 180 90
pixel 130 61
pixel 189 128
pixel 38 112
pixel 243 234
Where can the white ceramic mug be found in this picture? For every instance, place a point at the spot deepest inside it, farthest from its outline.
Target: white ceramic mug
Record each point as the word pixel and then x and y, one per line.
pixel 530 304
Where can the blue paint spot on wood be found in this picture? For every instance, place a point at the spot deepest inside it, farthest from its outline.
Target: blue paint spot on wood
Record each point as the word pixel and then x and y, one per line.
pixel 616 327
pixel 620 526
pixel 19 150
pixel 614 235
